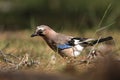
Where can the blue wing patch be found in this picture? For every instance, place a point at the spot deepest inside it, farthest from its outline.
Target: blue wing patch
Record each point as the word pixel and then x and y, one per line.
pixel 64 46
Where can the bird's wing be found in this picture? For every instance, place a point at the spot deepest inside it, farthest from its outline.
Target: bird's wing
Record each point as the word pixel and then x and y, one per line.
pixel 62 40
pixel 80 41
pixel 88 42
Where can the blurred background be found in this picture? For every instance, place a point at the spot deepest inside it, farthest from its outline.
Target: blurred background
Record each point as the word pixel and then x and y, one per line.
pixel 60 14
pixel 84 18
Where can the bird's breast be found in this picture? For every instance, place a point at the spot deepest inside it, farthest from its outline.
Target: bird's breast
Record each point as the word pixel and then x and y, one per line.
pixel 51 44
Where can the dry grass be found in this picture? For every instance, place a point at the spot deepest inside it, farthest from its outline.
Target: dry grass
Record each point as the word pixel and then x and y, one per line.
pixel 28 54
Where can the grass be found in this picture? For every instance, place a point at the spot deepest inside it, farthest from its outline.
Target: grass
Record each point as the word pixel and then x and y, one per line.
pixel 40 57
pixel 19 43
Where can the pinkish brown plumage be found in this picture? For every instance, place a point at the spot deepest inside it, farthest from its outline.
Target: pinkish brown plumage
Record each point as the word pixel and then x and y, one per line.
pixel 67 46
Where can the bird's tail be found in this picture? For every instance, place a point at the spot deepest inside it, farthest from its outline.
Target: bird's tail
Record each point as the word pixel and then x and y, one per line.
pixel 100 40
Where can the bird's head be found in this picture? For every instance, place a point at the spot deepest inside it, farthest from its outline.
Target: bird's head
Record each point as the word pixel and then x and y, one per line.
pixel 40 31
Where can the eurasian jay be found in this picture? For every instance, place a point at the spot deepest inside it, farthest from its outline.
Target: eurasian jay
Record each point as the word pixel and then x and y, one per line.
pixel 66 46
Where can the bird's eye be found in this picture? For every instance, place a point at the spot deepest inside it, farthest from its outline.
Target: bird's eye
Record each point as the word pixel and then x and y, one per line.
pixel 39 31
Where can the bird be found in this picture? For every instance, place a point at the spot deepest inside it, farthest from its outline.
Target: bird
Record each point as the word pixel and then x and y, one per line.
pixel 65 45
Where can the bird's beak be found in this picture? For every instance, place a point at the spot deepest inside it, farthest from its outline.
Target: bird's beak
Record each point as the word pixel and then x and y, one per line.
pixel 34 34
pixel 37 33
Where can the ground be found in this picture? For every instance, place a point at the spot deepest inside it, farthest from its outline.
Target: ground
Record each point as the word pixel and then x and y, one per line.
pixel 20 52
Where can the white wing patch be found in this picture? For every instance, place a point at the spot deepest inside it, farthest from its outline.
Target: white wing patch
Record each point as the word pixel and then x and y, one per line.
pixel 77 50
pixel 76 42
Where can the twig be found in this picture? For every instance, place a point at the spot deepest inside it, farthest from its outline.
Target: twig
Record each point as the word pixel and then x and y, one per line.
pixel 98 30
pixel 13 56
pixel 5 58
pixel 99 25
pixel 23 61
pixel 104 15
pixel 93 48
